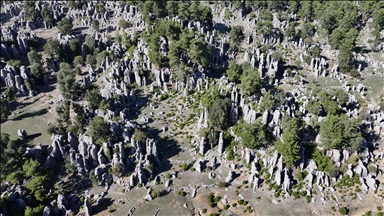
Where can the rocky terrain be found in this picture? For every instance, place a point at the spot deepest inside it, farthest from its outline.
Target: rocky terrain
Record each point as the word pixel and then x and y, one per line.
pixel 192 108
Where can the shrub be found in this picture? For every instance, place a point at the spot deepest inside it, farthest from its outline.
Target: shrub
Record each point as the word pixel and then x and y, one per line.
pixel 204 211
pixel 182 193
pixel 343 211
pixel 210 197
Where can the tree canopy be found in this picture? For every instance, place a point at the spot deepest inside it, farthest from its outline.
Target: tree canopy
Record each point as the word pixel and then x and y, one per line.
pixel 98 129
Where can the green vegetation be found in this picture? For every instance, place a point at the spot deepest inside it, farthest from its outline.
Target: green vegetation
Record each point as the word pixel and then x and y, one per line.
pixel 66 79
pixel 341 132
pixel 98 129
pixel 140 136
pixel 65 26
pixel 252 135
pixel 288 147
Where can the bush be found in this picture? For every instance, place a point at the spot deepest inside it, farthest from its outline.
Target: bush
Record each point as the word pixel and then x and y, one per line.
pixel 182 193
pixel 204 211
pixel 123 24
pixel 140 136
pixel 210 197
pixel 222 184
pixel 343 211
pixel 168 175
pixel 184 166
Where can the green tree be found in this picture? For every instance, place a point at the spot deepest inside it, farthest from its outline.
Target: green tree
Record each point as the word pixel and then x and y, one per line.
pixel 98 129
pixel 93 98
pixel 276 55
pixel 34 57
pixel 332 132
pixel 267 102
pixel 236 35
pixel 37 71
pixel 91 43
pixel 323 162
pixel 30 11
pixel 10 93
pixel 37 211
pixel 250 83
pixel 32 168
pixel 182 73
pixel 307 31
pixel 75 47
pixel 218 114
pixel 314 107
pixel 140 135
pixel 78 60
pixel 341 132
pixel 210 96
pixel 65 26
pixel 183 11
pixel 91 60
pixel 234 71
pixel 252 135
pixel 96 25
pixel 14 63
pixel 66 79
pixel 290 31
pixel 172 7
pixel 53 47
pixel 200 52
pixel 38 187
pixel 47 15
pixel 174 54
pixel 123 23
pixel 288 147
pixel 4 110
pixel 63 112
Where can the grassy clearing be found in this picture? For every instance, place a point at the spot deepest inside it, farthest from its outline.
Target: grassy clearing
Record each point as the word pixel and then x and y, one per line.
pixel 32 121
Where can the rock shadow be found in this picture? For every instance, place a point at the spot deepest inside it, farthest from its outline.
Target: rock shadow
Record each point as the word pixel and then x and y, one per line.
pixel 31 114
pixel 167 147
pixel 102 205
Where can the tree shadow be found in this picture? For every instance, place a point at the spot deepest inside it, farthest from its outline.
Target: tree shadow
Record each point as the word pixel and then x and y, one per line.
pixel 102 205
pixel 360 49
pixel 46 88
pixel 136 106
pixel 167 148
pixel 79 30
pixel 31 114
pixel 4 18
pixel 33 136
pixel 221 27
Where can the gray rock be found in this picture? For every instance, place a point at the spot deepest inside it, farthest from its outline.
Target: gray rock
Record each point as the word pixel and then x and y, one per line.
pixel 20 203
pixel 62 203
pixel 230 177
pixel 202 146
pixel 87 207
pixel 168 183
pixel 46 211
pixel 220 147
pixel 22 134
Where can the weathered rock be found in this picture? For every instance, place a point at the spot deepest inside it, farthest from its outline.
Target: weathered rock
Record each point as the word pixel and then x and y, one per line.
pixel 87 207
pixel 22 134
pixel 230 177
